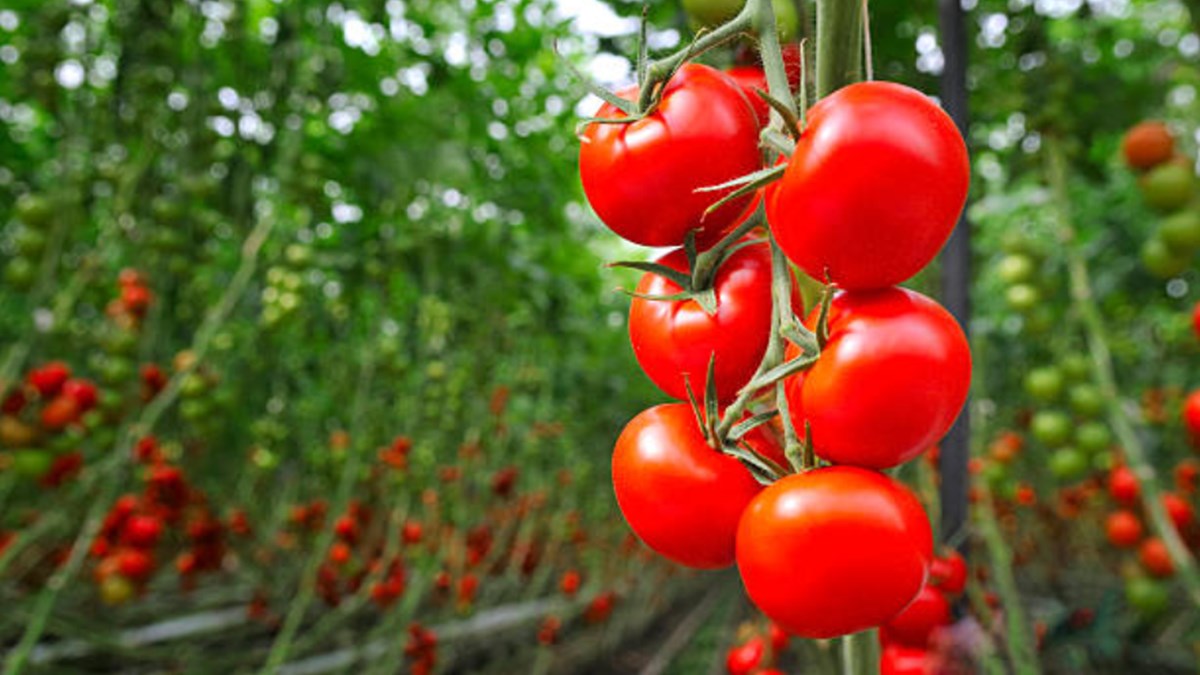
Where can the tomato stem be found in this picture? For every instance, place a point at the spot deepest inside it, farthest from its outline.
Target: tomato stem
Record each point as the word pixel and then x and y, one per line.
pixel 839 45
pixel 659 71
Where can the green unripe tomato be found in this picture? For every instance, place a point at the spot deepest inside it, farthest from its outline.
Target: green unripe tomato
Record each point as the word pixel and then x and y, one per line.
pixel 1076 367
pixel 1052 428
pixel 20 273
pixel 193 385
pixel 1161 261
pixel 710 13
pixel 1044 384
pixel 1086 400
pixel 116 370
pixel 1022 297
pixel 34 210
pixel 32 462
pixel 1015 268
pixel 29 242
pixel 1181 232
pixel 1068 463
pixel 1093 437
pixel 194 409
pixel 1168 187
pixel 1148 597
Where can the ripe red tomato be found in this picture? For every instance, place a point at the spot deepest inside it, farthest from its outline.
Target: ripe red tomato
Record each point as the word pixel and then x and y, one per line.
pixel 59 412
pixel 833 551
pixel 680 496
pixel 1147 144
pixel 641 178
pixel 902 660
pixel 83 391
pixel 1179 510
pixel 1123 529
pixel 750 78
pixel 1196 319
pixel 1191 414
pixel 874 188
pixel 49 378
pixel 1123 486
pixel 743 659
pixel 913 626
pixel 890 382
pixel 674 339
pixel 1155 558
pixel 949 573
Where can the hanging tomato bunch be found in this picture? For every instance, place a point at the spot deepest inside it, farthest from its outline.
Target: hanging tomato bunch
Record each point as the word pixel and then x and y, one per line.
pixel 774 463
pixel 1168 185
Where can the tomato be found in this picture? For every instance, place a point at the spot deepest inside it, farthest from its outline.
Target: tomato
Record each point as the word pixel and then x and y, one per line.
pixel 49 378
pixel 32 462
pixel 1155 558
pixel 1068 463
pixel 1161 261
pixel 1092 437
pixel 680 496
pixel 1191 414
pixel 1181 232
pixel 1147 144
pixel 1123 486
pixel 1123 529
pixel 743 659
pixel 834 550
pixel 1196 319
pixel 1187 474
pixel 902 660
pixel 1015 268
pixel 1182 515
pixel 1045 383
pixel 914 626
pixel 59 412
pixel 884 347
pixel 1148 596
pixel 1086 400
pixel 710 13
pixel 1168 187
pixel 750 78
pixel 779 638
pixel 141 531
pixel 874 187
pixel 949 573
pixel 641 178
pixel 1022 297
pixel 82 391
pixel 675 339
pixel 1052 428
pixel 116 590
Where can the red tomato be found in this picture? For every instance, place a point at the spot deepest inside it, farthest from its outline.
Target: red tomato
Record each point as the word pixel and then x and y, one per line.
pixel 48 379
pixel 874 187
pixel 59 412
pixel 902 660
pixel 949 573
pixel 750 78
pixel 744 658
pixel 1187 474
pixel 83 391
pixel 1155 558
pixel 1191 414
pixel 1196 319
pixel 890 381
pixel 680 496
pixel 913 626
pixel 1123 529
pixel 1147 144
pixel 141 531
pixel 641 178
pixel 833 551
pixel 1179 510
pixel 1123 486
pixel 779 638
pixel 674 339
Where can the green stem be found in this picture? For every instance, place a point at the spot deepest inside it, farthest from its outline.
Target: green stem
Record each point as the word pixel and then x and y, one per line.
pixel 1103 373
pixel 661 69
pixel 772 59
pixel 1018 640
pixel 860 654
pixel 839 44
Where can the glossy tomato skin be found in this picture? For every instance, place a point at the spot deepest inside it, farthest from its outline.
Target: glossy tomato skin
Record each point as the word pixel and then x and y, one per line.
pixel 675 339
pixel 833 551
pixel 892 378
pixel 750 78
pixel 641 177
pixel 926 613
pixel 681 497
pixel 874 187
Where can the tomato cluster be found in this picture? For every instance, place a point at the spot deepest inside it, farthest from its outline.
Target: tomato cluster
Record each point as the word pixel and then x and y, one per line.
pixel 1168 185
pixel 871 379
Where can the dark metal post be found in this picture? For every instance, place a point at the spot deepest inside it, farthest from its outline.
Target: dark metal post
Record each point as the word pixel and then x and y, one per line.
pixel 956 277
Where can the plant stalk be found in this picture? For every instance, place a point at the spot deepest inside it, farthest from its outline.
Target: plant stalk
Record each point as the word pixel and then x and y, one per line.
pixel 839 44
